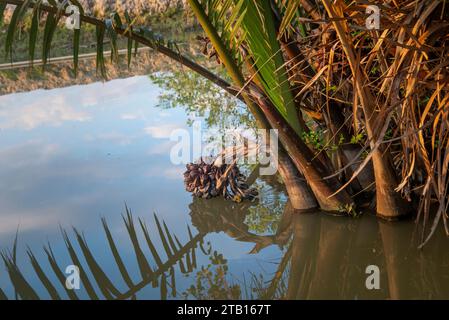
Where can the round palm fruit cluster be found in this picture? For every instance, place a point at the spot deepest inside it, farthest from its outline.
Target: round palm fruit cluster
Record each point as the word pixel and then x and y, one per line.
pixel 205 180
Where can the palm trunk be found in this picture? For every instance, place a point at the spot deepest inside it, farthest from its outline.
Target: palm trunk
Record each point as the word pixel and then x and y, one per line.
pixel 299 193
pixel 348 153
pixel 305 161
pixel 389 204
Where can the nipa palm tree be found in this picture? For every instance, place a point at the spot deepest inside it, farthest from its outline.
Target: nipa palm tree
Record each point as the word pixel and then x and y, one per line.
pixel 378 98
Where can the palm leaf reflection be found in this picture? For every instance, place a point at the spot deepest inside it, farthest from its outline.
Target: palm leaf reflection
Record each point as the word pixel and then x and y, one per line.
pixel 159 271
pixel 219 215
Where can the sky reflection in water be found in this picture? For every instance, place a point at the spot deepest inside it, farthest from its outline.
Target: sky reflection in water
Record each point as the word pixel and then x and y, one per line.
pixel 69 156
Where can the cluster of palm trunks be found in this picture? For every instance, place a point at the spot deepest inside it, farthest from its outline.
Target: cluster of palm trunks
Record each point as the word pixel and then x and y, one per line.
pixel 206 180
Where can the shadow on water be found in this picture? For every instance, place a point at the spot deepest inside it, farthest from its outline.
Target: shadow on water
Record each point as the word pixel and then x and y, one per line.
pixel 324 257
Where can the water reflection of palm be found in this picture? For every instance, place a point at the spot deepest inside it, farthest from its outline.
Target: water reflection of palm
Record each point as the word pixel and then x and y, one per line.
pixel 218 215
pixel 327 256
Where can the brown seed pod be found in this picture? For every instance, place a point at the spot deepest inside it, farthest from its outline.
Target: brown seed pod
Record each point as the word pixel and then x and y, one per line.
pixel 207 181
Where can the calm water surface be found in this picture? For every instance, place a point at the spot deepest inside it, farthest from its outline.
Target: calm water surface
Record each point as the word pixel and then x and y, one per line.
pixel 72 156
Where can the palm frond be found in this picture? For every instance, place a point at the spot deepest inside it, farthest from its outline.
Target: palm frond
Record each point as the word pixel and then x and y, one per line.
pixel 268 58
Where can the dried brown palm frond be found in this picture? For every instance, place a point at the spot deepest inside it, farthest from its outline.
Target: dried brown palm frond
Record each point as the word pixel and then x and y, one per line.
pixel 392 87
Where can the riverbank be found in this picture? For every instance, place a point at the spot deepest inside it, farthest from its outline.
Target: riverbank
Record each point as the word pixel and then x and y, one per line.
pixel 176 24
pixel 61 74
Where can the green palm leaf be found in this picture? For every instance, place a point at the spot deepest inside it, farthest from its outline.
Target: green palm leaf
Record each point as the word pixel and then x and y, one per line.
pixel 2 12
pixel 15 19
pixel 34 30
pixel 266 52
